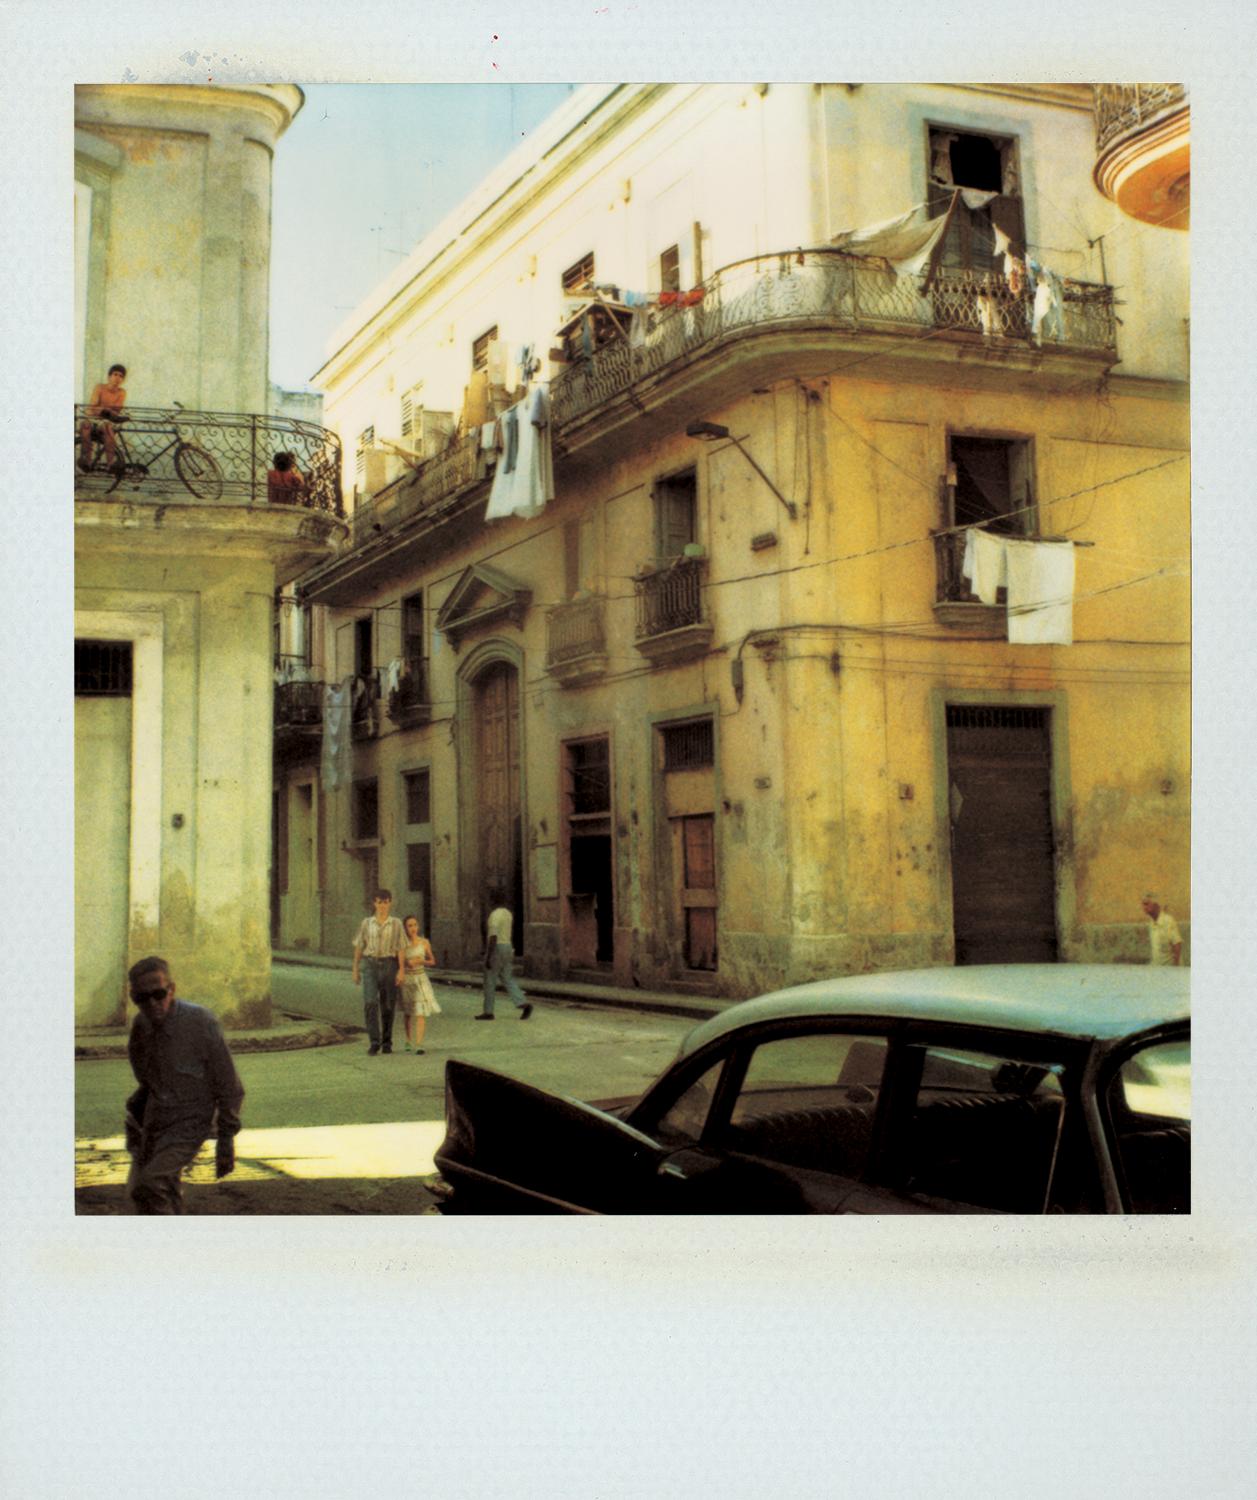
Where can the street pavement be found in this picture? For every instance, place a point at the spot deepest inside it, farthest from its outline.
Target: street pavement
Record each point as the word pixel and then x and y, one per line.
pixel 328 1129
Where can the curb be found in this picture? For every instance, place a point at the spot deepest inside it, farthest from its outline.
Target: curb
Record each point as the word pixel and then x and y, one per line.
pixel 293 1039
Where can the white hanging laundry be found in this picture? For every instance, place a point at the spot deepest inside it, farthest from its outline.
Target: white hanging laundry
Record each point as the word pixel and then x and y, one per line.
pixel 1040 592
pixel 1049 305
pixel 984 563
pixel 392 675
pixel 974 198
pixel 489 436
pixel 523 483
pixel 335 768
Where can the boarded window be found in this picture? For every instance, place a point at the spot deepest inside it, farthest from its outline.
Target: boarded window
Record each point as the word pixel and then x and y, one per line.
pixel 699 853
pixel 688 747
pixel 102 669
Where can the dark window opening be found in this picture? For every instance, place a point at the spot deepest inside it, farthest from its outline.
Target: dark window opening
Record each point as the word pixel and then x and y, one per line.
pixel 589 764
pixel 989 484
pixel 676 514
pixel 984 163
pixel 366 809
pixel 412 633
pixel 688 747
pixel 363 661
pixel 579 276
pixel 418 796
pixel 102 669
pixel 670 269
pixel 419 882
pixel 480 348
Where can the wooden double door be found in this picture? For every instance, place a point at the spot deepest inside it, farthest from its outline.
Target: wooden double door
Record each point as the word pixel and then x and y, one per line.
pixel 496 788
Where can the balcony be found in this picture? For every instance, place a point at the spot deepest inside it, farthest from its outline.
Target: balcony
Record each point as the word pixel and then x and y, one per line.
pixel 1143 150
pixel 442 478
pixel 670 622
pixel 410 702
pixel 298 716
pixel 576 645
pixel 830 292
pixel 167 455
pixel 954 602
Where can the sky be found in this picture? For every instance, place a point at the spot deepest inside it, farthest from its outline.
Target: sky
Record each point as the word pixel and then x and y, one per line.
pixel 361 175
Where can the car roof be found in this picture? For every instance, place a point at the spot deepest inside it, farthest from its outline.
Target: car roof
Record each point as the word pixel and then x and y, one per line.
pixel 1082 1001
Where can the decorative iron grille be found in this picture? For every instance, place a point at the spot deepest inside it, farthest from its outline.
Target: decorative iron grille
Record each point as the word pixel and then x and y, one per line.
pixel 298 705
pixel 824 289
pixel 212 456
pixel 670 598
pixel 995 716
pixel 574 630
pixel 102 669
pixel 688 747
pixel 1120 107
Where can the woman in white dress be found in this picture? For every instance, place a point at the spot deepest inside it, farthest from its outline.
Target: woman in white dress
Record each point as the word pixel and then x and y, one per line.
pixel 418 1000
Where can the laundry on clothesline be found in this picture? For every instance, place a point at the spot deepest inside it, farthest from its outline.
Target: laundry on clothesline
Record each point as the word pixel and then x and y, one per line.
pixel 1038 578
pixel 523 482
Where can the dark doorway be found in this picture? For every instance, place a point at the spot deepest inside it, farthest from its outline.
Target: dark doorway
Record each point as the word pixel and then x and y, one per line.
pixel 592 884
pixel 1002 852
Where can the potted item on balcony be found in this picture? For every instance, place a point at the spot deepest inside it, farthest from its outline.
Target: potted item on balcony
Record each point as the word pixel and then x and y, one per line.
pixel 694 551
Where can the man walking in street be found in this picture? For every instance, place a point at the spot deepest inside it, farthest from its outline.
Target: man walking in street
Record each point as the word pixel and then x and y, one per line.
pixel 188 1090
pixel 498 959
pixel 1166 940
pixel 380 956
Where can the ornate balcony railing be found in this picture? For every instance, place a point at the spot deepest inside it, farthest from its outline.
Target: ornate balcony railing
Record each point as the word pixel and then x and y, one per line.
pixel 827 289
pixel 210 456
pixel 575 630
pixel 1122 107
pixel 298 706
pixel 670 598
pixel 440 478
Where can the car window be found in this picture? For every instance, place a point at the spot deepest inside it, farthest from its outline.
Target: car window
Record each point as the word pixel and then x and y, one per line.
pixel 983 1133
pixel 808 1101
pixel 684 1121
pixel 1150 1107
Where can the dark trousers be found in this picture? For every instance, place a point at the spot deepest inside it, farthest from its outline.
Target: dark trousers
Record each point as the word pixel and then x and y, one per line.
pixel 379 999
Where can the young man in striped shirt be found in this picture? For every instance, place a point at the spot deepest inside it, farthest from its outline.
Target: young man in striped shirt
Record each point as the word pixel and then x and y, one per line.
pixel 380 955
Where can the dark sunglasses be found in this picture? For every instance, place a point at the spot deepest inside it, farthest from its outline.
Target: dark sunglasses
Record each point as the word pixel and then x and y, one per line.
pixel 142 997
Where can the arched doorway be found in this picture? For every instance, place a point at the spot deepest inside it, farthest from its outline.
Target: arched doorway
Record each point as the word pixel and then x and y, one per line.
pixel 496 786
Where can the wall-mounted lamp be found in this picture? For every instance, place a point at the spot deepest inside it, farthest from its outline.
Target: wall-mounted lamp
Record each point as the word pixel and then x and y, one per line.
pixel 715 430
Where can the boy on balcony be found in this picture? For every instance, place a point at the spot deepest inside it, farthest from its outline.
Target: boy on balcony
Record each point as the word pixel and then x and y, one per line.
pixel 103 411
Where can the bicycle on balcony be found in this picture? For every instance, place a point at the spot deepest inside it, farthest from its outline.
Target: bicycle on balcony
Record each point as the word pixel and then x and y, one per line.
pixel 197 470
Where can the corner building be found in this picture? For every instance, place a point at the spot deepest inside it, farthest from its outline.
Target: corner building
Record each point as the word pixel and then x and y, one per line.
pixel 724 713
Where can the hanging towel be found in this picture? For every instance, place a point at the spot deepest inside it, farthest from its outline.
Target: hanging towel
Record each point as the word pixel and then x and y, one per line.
pixel 525 488
pixel 336 753
pixel 984 563
pixel 1040 592
pixel 393 675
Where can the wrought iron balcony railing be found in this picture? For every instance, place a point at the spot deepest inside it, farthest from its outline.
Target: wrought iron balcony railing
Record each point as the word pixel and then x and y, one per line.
pixel 574 631
pixel 410 702
pixel 670 598
pixel 1123 107
pixel 440 478
pixel 827 289
pixel 298 706
pixel 210 456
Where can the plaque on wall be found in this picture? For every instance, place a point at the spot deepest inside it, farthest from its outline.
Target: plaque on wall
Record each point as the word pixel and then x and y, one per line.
pixel 546 872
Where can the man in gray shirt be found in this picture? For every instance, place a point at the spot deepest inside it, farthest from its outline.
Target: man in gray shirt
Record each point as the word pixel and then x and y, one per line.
pixel 189 1089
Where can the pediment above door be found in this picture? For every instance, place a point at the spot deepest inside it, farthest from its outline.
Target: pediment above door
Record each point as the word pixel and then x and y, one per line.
pixel 482 596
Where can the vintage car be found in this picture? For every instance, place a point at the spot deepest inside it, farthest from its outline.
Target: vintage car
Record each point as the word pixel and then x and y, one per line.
pixel 1020 1088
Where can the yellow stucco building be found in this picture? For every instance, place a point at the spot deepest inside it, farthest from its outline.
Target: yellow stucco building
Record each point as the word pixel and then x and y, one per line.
pixel 177 550
pixel 726 710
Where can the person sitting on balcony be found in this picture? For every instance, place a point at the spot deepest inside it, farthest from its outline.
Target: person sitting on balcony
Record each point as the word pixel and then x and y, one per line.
pixel 104 410
pixel 285 483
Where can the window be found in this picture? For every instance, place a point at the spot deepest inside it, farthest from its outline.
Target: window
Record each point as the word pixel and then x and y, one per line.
pixel 589 770
pixel 363 659
pixel 366 439
pixel 412 634
pixel 412 409
pixel 984 1132
pixel 366 809
pixel 670 269
pixel 988 483
pixel 419 881
pixel 676 514
pixel 418 796
pixel 809 1101
pixel 988 163
pixel 102 669
pixel 687 747
pixel 1150 1110
pixel 684 1121
pixel 579 276
pixel 480 348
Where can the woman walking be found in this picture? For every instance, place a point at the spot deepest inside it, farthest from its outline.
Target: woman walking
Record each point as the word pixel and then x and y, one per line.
pixel 418 1000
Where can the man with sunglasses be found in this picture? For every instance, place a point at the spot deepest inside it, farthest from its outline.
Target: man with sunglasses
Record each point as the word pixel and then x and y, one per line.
pixel 188 1090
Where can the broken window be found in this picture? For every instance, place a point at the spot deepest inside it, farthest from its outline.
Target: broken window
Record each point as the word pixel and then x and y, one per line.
pixel 983 164
pixel 989 484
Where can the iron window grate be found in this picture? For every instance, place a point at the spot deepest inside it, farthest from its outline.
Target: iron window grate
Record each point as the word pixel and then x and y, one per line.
pixel 102 669
pixel 688 747
pixel 994 716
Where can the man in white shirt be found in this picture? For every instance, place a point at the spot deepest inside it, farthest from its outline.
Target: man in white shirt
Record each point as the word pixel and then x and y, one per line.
pixel 498 958
pixel 1166 940
pixel 380 954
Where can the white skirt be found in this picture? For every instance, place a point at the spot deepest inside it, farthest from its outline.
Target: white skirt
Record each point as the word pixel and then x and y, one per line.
pixel 417 996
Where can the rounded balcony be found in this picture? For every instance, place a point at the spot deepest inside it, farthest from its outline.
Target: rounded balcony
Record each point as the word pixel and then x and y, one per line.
pixel 1143 150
